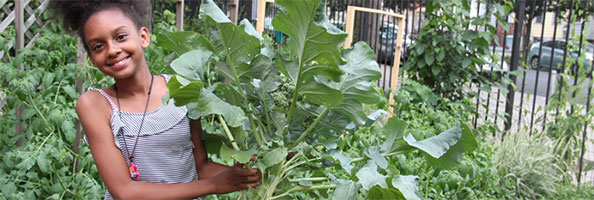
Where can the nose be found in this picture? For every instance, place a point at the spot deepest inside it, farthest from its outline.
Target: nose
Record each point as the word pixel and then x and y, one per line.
pixel 113 49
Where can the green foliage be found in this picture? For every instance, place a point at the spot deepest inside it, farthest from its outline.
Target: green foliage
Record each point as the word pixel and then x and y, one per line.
pixel 426 113
pixel 43 165
pixel 447 54
pixel 528 165
pixel 301 108
pixel 571 191
pixel 569 115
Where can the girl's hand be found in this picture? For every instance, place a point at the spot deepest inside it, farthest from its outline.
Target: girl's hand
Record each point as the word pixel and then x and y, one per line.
pixel 235 178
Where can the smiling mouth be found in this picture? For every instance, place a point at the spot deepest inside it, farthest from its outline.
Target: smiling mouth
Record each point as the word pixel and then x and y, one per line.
pixel 119 63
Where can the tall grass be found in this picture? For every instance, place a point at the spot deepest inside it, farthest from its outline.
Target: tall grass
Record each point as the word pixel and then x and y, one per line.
pixel 528 165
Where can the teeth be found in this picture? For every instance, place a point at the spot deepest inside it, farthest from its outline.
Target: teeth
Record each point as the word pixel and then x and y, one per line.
pixel 119 62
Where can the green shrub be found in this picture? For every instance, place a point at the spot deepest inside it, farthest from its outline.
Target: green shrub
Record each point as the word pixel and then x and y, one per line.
pixel 527 164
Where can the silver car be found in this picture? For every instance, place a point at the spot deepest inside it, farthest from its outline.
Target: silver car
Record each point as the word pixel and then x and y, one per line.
pixel 555 49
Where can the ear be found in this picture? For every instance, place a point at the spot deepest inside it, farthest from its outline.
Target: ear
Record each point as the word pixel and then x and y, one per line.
pixel 145 37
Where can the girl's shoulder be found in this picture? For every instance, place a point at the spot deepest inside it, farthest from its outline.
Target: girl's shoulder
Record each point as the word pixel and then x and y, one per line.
pixel 95 101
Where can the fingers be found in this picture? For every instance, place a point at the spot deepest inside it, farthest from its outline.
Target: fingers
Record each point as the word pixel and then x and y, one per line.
pixel 246 186
pixel 238 164
pixel 251 179
pixel 240 171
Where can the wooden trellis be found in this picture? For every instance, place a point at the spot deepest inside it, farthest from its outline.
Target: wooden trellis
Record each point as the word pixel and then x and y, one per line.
pixel 24 17
pixel 21 13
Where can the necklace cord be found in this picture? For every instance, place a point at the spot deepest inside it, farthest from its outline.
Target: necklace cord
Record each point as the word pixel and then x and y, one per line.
pixel 131 156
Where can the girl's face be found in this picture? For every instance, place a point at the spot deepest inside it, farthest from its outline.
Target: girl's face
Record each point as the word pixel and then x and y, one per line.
pixel 116 46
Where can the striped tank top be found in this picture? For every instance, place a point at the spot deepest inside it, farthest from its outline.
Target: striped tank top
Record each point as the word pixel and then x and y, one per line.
pixel 164 153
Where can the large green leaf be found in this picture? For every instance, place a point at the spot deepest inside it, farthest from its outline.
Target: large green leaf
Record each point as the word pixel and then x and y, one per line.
pixel 183 41
pixel 400 187
pixel 259 68
pixel 358 83
pixel 352 109
pixel 394 130
pixel 288 68
pixel 241 46
pixel 229 94
pixel 467 143
pixel 309 36
pixel 369 176
pixel 362 71
pixel 249 28
pixel 379 193
pixel 309 71
pixel 184 94
pixel 215 14
pixel 321 94
pixel 438 145
pixel 346 190
pixel 209 103
pixel 407 185
pixel 228 154
pixel 239 43
pixel 316 47
pixel 345 162
pixel 192 64
pixel 375 155
pixel 275 156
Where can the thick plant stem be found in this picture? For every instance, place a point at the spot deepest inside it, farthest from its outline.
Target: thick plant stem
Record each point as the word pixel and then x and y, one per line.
pixel 266 114
pixel 297 88
pixel 277 179
pixel 308 179
pixel 316 187
pixel 256 134
pixel 228 132
pixel 311 127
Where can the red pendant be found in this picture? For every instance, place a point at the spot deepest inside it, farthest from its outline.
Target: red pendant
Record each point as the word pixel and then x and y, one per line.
pixel 133 168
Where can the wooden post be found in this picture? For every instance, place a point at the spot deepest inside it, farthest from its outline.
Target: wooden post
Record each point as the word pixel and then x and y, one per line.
pixel 19 24
pixel 350 24
pixel 396 66
pixel 233 10
pixel 261 16
pixel 81 59
pixel 179 15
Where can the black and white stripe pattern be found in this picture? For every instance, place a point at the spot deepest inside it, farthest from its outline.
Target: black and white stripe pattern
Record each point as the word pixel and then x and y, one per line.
pixel 164 153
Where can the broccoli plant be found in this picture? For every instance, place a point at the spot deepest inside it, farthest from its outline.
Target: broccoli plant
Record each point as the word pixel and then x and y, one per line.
pixel 295 104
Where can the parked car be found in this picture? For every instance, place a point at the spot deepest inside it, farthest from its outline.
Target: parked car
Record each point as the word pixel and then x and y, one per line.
pixel 388 33
pixel 558 47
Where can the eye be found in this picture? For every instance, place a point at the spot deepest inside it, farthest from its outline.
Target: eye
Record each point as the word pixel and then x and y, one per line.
pixel 121 37
pixel 97 47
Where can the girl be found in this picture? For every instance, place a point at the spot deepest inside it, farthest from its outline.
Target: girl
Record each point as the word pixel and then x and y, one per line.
pixel 142 149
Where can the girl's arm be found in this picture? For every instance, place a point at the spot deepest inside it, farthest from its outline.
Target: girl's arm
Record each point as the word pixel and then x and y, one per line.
pixel 94 114
pixel 204 167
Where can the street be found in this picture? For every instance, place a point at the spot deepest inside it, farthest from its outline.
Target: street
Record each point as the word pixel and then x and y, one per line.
pixel 543 77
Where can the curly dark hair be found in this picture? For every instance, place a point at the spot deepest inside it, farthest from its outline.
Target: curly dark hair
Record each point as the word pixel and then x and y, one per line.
pixel 75 13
